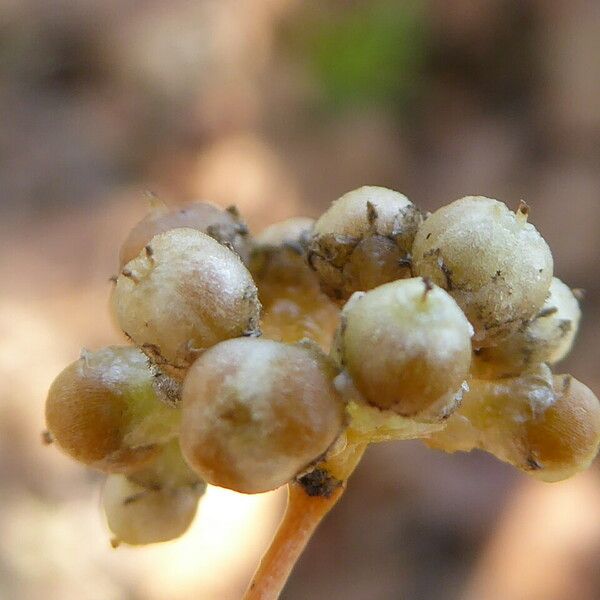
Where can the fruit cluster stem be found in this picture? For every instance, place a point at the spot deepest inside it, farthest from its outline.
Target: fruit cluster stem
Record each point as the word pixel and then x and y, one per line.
pixel 302 516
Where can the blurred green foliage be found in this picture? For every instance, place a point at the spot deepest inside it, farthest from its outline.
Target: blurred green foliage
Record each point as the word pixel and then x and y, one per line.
pixel 369 53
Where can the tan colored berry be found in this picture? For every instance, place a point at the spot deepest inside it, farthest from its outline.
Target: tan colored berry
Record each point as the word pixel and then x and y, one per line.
pixel 492 261
pixel 102 410
pixel 294 307
pixel 257 412
pixel 547 337
pixel 182 294
pixel 225 226
pixel 364 240
pixel 407 347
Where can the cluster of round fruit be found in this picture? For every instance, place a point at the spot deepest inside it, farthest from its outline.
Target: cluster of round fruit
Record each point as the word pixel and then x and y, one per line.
pixel 377 322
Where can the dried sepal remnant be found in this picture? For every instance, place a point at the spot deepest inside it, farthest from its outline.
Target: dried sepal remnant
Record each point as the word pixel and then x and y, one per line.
pixel 547 337
pixel 294 306
pixel 547 426
pixel 225 226
pixel 102 410
pixel 257 412
pixel 191 293
pixel 138 515
pixel 407 347
pixel 364 240
pixel 495 265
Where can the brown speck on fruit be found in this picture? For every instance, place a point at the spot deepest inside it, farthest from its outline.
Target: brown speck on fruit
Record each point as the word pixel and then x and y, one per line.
pixel 227 245
pixel 371 213
pixel 115 543
pixel 233 211
pixel 523 211
pixel 319 483
pixel 149 252
pixel 134 497
pixel 565 326
pixel 113 279
pixel 428 286
pixel 546 312
pixel 428 236
pixel 406 261
pixel 446 271
pixel 47 438
pixel 533 464
pixel 127 273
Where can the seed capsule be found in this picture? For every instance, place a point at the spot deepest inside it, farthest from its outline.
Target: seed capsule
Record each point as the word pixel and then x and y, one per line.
pixel 407 347
pixel 548 337
pixel 364 240
pixel 257 412
pixel 225 226
pixel 546 426
pixel 493 263
pixel 103 410
pixel 181 295
pixel 139 515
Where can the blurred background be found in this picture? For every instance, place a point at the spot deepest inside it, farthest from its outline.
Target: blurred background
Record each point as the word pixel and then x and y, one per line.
pixel 280 106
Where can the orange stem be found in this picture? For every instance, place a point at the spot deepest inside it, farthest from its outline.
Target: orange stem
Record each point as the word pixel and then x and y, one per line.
pixel 302 516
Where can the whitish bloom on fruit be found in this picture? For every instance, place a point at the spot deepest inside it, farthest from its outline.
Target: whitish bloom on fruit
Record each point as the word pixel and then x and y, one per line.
pixel 139 515
pixel 407 347
pixel 225 226
pixel 257 412
pixel 492 261
pixel 182 294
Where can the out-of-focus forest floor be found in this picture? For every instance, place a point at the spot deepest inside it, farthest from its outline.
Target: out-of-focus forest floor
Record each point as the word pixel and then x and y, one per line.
pixel 279 107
